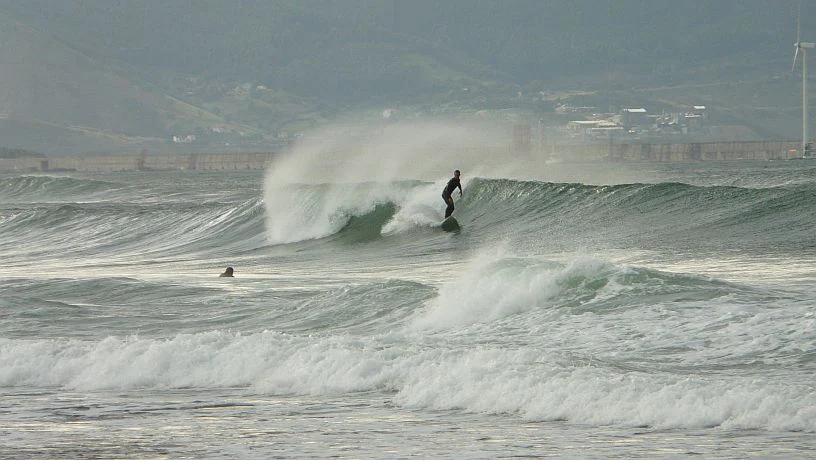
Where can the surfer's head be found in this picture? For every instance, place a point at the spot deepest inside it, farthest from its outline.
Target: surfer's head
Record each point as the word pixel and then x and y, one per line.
pixel 227 273
pixel 456 173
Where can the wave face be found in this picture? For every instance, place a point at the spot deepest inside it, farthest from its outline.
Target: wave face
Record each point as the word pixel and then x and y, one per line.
pixel 682 300
pixel 46 219
pixel 673 214
pixel 79 216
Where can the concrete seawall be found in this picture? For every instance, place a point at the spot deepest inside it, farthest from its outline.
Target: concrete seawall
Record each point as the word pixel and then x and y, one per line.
pixel 141 162
pixel 675 152
pixel 588 152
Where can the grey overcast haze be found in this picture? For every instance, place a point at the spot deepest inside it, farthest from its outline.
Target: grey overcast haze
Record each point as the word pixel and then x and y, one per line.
pixel 123 75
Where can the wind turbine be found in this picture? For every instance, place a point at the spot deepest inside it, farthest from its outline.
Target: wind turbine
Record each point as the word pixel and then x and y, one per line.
pixel 804 46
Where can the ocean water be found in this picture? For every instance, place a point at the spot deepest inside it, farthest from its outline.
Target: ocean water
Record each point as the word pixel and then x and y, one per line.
pixel 601 311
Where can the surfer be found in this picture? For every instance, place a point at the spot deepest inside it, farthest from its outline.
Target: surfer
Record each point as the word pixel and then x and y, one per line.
pixel 227 273
pixel 453 184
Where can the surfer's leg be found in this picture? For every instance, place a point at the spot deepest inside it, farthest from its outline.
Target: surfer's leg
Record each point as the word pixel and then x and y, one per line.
pixel 449 209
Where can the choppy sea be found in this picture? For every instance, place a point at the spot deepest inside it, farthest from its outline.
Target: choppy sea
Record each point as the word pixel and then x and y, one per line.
pixel 602 311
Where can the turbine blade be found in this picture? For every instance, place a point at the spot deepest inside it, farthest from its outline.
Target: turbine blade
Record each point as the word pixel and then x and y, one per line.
pixel 798 19
pixel 795 55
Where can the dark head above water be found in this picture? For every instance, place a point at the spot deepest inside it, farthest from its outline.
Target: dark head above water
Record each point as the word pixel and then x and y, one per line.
pixel 227 273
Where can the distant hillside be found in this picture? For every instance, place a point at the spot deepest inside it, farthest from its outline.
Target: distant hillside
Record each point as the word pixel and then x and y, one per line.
pixel 53 94
pixel 19 153
pixel 42 79
pixel 261 68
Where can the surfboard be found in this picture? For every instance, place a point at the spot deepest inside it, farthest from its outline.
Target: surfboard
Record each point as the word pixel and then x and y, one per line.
pixel 450 225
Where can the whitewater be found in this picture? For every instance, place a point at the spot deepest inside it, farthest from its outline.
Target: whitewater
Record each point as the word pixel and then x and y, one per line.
pixel 605 310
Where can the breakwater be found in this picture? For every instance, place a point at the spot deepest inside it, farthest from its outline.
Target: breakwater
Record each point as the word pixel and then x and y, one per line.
pixel 566 152
pixel 671 152
pixel 141 162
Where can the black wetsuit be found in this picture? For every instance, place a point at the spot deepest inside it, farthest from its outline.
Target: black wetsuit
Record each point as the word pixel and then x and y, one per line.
pixel 446 195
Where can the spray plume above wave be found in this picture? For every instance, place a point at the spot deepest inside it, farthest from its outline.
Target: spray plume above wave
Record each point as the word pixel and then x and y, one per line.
pixel 375 155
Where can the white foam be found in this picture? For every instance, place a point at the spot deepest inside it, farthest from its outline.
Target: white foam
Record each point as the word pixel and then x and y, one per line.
pixel 495 285
pixel 302 213
pixel 421 208
pixel 526 382
pixel 506 335
pixel 298 213
pixel 425 371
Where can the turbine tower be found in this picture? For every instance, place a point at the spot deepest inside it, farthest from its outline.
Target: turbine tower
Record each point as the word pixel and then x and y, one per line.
pixel 804 46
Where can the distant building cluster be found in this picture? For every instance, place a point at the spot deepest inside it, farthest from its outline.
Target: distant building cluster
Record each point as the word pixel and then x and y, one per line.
pixel 218 134
pixel 184 139
pixel 634 123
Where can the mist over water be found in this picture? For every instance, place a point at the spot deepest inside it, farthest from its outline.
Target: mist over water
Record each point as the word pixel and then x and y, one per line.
pixel 382 151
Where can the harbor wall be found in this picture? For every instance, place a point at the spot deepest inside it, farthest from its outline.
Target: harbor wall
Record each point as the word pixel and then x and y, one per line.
pixel 585 152
pixel 141 162
pixel 673 152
